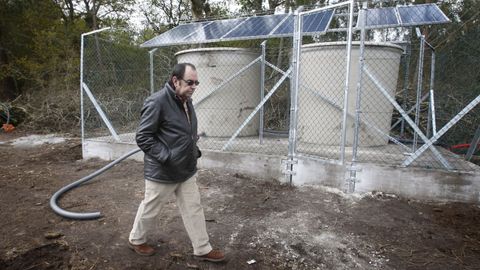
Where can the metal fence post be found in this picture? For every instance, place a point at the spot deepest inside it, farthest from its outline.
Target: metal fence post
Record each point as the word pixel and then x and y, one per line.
pixel 347 83
pixel 295 65
pixel 431 123
pixel 405 87
pixel 419 89
pixel 262 91
pixel 152 83
pixel 353 170
pixel 82 119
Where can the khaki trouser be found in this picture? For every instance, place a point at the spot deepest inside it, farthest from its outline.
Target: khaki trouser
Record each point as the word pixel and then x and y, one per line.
pixel 188 201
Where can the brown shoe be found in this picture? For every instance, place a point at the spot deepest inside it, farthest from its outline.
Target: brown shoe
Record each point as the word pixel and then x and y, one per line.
pixel 142 249
pixel 213 256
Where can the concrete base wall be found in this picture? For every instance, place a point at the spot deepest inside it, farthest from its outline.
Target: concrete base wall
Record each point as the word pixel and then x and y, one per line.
pixel 414 183
pixel 258 166
pixel 422 184
pixel 109 151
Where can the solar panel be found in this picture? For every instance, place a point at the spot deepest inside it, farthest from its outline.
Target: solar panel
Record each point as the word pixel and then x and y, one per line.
pixel 380 17
pixel 317 22
pixel 282 25
pixel 215 30
pixel 286 28
pixel 242 28
pixel 421 14
pixel 257 26
pixel 176 34
pixel 312 23
pixel 403 16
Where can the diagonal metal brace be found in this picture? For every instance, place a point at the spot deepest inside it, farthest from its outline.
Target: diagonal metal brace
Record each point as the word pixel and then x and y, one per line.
pixel 436 153
pixel 442 131
pixel 473 145
pixel 260 105
pixel 411 110
pixel 372 126
pixel 228 80
pixel 100 112
pixel 275 68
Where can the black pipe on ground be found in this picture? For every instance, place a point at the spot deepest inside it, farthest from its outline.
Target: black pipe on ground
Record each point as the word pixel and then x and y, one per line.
pixel 83 216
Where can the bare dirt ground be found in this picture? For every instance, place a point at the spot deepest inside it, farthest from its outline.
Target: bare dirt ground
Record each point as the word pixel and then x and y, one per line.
pixel 278 226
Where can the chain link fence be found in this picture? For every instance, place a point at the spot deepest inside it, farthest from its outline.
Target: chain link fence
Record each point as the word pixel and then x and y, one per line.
pixel 115 84
pixel 402 106
pixel 243 102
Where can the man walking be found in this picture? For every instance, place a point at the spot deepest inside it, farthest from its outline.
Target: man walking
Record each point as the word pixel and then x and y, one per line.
pixel 168 136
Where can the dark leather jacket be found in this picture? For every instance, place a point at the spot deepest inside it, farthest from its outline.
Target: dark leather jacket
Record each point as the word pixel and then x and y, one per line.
pixel 166 137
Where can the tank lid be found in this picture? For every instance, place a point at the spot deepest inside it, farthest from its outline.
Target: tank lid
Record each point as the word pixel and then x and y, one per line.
pixel 216 49
pixel 354 43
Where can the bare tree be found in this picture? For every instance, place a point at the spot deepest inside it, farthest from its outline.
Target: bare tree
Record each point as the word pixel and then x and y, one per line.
pixel 161 15
pixel 200 9
pixel 94 12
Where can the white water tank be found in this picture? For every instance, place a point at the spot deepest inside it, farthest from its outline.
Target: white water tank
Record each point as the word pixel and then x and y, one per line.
pixel 223 112
pixel 321 92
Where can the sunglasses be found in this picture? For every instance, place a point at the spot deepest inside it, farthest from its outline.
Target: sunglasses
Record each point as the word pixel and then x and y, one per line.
pixel 191 82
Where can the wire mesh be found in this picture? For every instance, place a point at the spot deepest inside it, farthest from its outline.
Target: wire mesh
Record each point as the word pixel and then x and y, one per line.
pixel 378 142
pixel 395 76
pixel 320 99
pixel 117 76
pixel 411 78
pixel 227 100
